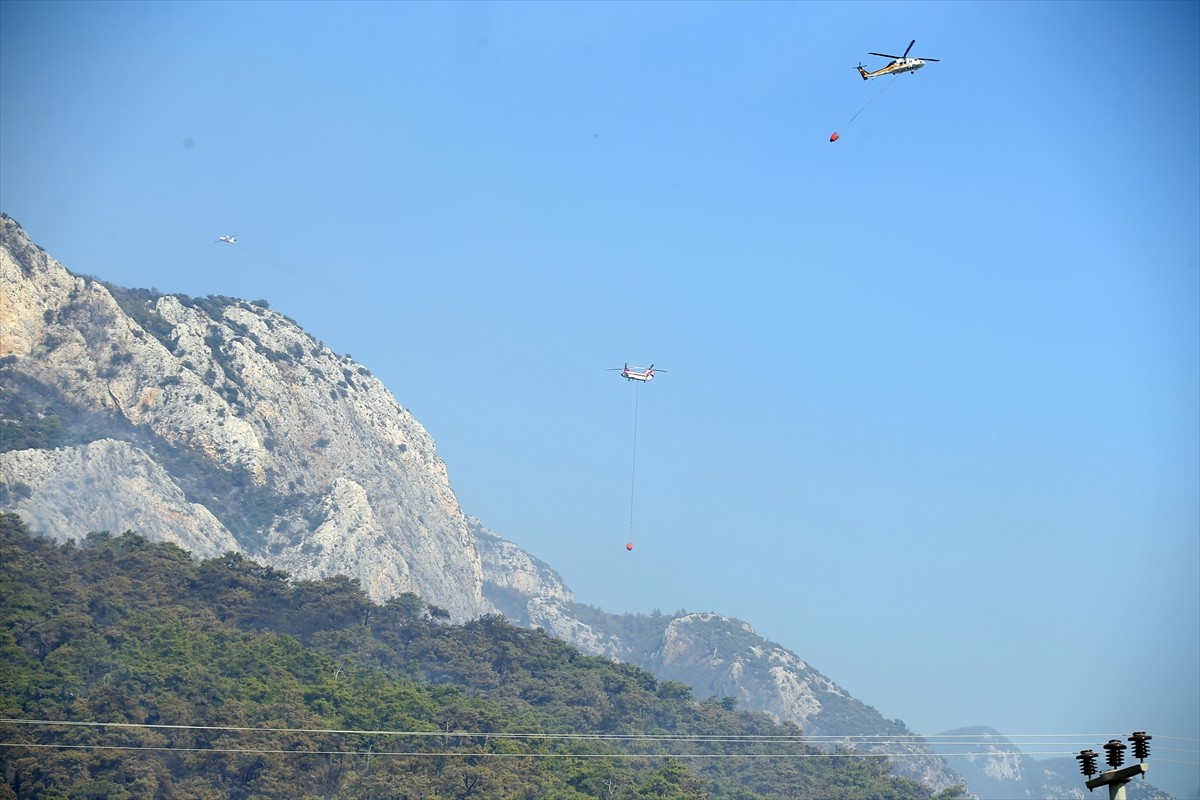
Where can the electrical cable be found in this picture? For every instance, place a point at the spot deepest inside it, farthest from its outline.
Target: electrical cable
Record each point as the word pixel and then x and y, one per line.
pixel 984 745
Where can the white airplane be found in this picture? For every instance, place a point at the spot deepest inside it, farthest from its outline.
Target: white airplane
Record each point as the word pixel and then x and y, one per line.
pixel 227 239
pixel 634 373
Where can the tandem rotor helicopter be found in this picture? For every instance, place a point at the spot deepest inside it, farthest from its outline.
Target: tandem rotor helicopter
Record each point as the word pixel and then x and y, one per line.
pixel 898 64
pixel 640 376
pixel 635 373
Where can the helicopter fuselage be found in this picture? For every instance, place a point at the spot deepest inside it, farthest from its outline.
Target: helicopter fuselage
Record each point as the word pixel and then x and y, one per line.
pixel 895 68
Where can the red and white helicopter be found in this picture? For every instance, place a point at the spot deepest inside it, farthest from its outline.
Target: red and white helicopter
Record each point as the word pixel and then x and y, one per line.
pixel 898 65
pixel 636 373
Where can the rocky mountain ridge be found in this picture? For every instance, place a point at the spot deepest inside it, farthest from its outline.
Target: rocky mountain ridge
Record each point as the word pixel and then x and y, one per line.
pixel 353 483
pixel 219 424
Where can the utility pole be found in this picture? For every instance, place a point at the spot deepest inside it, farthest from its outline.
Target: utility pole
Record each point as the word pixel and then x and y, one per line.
pixel 1116 778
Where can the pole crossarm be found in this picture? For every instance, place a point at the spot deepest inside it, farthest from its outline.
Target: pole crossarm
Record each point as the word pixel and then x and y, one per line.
pixel 1117 776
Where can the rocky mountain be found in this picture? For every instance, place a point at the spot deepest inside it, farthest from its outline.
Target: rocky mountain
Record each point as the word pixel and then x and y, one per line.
pixel 220 425
pixel 995 769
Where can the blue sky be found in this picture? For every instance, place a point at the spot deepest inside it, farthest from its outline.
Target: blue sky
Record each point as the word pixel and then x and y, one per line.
pixel 932 410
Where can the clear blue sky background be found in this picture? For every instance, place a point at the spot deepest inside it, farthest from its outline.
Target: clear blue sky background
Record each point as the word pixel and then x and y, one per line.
pixel 932 410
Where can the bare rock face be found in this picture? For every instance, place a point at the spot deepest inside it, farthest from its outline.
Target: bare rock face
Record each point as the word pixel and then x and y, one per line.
pixel 726 654
pixel 531 593
pixel 220 425
pixel 352 483
pixel 558 620
pixel 511 570
pixel 724 657
pixel 107 486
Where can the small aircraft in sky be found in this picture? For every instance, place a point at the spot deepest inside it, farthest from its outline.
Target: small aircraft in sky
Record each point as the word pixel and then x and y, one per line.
pixel 635 373
pixel 898 64
pixel 227 239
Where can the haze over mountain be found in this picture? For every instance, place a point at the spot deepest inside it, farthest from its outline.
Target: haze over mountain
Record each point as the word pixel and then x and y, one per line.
pixel 219 425
pixel 930 410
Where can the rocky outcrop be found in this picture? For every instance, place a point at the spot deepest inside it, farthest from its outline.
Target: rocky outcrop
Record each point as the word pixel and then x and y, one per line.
pixel 509 570
pixel 724 657
pixel 529 592
pixel 219 424
pixel 352 481
pixel 106 486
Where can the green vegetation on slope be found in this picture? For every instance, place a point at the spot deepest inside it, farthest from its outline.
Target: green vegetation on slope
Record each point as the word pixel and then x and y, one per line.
pixel 229 680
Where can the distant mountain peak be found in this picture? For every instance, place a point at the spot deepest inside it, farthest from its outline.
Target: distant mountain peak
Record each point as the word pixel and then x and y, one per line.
pixel 220 424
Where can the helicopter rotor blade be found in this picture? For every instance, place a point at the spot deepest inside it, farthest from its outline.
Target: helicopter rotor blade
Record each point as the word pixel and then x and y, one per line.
pixel 928 59
pixel 910 44
pixel 883 55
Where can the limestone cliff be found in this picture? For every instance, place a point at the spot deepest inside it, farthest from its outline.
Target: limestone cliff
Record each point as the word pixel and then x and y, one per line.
pixel 219 424
pixel 107 486
pixel 352 483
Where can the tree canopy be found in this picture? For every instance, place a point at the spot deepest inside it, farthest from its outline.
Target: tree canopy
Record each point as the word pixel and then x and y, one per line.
pixel 133 670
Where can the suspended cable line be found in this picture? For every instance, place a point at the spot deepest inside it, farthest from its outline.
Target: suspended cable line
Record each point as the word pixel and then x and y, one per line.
pixel 886 85
pixel 638 376
pixel 633 476
pixel 872 100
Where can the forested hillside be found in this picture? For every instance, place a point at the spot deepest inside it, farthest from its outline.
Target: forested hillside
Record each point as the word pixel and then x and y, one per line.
pixel 226 679
pixel 220 425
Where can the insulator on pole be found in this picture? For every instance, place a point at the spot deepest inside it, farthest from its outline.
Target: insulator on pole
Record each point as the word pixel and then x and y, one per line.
pixel 1087 762
pixel 1141 750
pixel 1116 753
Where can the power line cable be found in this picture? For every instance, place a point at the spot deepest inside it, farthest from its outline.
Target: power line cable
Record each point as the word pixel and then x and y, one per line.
pixel 973 745
pixel 488 754
pixel 827 738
